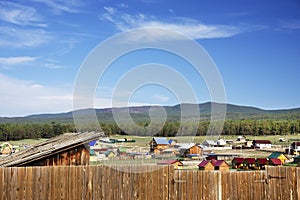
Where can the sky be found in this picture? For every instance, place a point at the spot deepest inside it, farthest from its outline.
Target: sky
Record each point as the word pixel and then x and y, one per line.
pixel 255 46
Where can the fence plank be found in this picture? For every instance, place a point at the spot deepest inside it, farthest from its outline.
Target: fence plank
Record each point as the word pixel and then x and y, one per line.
pixel 147 182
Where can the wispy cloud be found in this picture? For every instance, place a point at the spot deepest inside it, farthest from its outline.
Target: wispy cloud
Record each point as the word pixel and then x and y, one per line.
pixel 292 25
pixel 161 98
pixel 17 38
pixel 16 60
pixel 59 6
pixel 190 27
pixel 19 14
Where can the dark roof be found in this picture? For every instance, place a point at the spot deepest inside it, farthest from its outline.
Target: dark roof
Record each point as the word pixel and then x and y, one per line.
pixel 297 143
pixel 275 161
pixel 218 163
pixel 169 162
pixel 161 140
pixel 262 142
pixel 249 160
pixel 48 148
pixel 238 160
pixel 204 163
pixel 262 161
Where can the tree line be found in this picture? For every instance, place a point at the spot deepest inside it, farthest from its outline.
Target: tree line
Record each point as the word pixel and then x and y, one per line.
pixel 168 129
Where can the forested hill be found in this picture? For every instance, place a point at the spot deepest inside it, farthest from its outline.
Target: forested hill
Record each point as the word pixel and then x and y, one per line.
pixel 234 112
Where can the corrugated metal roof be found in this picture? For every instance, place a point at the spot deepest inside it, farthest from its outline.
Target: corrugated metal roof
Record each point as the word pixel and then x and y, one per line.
pixel 186 145
pixel 262 161
pixel 161 140
pixel 204 163
pixel 275 155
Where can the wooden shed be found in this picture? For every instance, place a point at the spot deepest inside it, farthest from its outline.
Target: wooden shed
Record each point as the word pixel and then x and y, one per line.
pixel 158 144
pixel 176 163
pixel 237 163
pixel 206 165
pixel 261 163
pixel 66 149
pixel 190 149
pixel 220 165
pixel 249 163
pixel 278 155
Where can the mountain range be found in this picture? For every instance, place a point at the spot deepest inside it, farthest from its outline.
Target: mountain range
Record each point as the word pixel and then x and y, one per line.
pixel 234 112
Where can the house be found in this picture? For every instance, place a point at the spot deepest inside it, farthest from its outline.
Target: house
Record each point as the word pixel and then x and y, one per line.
pixel 206 165
pixel 279 156
pixel 209 143
pixel 275 162
pixel 294 149
pixel 237 163
pixel 176 163
pixel 157 144
pixel 191 149
pixel 241 138
pixel 296 159
pixel 261 144
pixel 220 156
pixel 261 163
pixel 110 154
pixel 221 143
pixel 122 151
pixel 220 165
pixel 249 163
pixel 65 149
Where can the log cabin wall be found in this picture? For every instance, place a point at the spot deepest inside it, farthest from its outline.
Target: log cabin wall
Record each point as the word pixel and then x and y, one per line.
pixel 79 155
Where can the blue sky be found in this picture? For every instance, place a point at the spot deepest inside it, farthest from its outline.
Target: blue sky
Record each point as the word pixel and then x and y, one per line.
pixel 255 45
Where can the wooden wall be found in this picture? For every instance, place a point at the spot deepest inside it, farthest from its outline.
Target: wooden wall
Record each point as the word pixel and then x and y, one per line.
pixel 79 155
pixel 102 182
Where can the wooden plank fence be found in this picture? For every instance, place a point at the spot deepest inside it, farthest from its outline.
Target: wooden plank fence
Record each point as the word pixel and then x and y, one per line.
pixel 147 182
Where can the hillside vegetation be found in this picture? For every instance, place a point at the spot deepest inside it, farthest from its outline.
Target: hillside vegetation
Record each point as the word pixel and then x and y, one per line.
pixel 240 120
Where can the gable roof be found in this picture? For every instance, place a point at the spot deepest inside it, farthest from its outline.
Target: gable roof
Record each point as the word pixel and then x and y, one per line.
pixel 218 163
pixel 169 162
pixel 209 142
pixel 238 160
pixel 48 148
pixel 262 142
pixel 276 155
pixel 159 140
pixel 275 161
pixel 204 163
pixel 249 160
pixel 186 145
pixel 262 161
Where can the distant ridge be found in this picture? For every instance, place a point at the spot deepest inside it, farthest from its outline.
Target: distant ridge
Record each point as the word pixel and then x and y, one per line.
pixel 173 112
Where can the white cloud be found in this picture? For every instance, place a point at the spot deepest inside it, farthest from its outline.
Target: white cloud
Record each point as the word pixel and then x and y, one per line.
pixel 187 26
pixel 18 38
pixel 22 97
pixel 161 98
pixel 59 6
pixel 19 14
pixel 16 60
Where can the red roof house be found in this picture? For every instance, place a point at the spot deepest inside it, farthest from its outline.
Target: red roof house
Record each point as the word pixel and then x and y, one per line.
pixel 237 163
pixel 220 165
pixel 249 163
pixel 206 165
pixel 261 163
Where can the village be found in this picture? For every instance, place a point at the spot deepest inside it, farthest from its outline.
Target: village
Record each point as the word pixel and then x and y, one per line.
pixel 222 155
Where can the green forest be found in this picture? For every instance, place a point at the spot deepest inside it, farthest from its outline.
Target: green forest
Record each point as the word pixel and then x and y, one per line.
pixel 10 131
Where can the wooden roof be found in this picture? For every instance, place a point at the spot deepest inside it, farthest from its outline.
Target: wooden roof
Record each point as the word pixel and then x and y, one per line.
pixel 50 147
